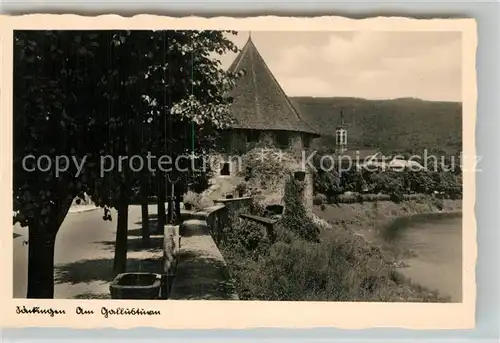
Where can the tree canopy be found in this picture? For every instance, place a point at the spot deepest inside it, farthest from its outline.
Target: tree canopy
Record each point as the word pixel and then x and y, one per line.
pixel 83 95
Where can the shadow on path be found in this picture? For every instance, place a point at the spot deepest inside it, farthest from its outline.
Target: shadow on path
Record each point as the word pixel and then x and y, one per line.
pixel 202 278
pixel 137 231
pixel 135 244
pixel 101 269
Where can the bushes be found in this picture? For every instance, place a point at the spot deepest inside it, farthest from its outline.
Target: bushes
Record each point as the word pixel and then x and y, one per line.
pixel 394 183
pixel 268 171
pixel 191 200
pixel 201 181
pixel 438 203
pixel 339 268
pixel 319 199
pixel 327 183
pixel 295 216
pixel 246 238
pixel 195 201
pixel 297 265
pixel 241 188
pixel 376 197
pixel 397 197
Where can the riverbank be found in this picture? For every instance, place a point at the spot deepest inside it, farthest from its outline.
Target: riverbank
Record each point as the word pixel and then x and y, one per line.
pixel 375 220
pixel 347 264
pixel 436 245
pixel 422 239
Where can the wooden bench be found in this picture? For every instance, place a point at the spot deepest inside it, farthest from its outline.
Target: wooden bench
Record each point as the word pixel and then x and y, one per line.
pixel 267 222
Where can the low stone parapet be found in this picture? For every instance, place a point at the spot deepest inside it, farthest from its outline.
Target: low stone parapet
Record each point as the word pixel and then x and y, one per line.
pixel 235 204
pixel 216 217
pixel 171 247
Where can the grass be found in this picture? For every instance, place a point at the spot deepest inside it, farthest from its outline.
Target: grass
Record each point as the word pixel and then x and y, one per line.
pixel 336 269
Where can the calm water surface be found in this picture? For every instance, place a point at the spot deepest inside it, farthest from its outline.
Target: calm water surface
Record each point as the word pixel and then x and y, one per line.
pixel 438 247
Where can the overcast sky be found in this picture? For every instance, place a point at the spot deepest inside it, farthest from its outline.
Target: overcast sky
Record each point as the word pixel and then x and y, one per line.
pixel 372 65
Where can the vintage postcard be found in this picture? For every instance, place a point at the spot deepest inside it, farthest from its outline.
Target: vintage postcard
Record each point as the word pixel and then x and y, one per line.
pixel 236 173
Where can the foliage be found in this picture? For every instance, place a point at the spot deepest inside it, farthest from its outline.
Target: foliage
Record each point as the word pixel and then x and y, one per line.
pixel 393 125
pixel 339 268
pixel 241 187
pixel 327 183
pixel 319 199
pixel 107 93
pixel 246 238
pixel 295 217
pixel 392 182
pixel 326 179
pixel 197 201
pixel 261 165
pixel 193 199
pixel 54 95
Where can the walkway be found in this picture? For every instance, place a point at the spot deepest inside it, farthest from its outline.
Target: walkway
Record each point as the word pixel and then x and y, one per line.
pixel 202 273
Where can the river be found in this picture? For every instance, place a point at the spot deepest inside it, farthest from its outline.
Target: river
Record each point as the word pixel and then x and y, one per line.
pixel 437 243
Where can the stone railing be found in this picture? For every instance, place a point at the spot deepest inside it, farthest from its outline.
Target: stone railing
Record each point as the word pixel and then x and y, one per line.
pixel 235 204
pixel 171 247
pixel 216 217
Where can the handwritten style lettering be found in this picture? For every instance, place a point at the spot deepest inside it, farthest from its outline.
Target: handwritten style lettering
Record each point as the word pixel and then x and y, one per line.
pixel 128 312
pixel 80 310
pixel 37 310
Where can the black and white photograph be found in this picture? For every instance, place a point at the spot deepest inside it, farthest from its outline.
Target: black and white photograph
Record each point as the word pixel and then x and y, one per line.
pixel 246 165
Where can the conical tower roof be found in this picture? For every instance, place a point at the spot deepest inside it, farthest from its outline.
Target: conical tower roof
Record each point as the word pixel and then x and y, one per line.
pixel 259 102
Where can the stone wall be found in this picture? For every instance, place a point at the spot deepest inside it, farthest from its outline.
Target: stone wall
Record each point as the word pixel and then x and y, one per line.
pixel 238 141
pixel 296 143
pixel 308 189
pixel 171 247
pixel 235 204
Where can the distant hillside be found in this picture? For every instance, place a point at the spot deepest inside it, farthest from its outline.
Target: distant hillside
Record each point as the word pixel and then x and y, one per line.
pixel 399 124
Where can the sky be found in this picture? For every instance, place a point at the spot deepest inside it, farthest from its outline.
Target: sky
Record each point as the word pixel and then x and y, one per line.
pixel 364 64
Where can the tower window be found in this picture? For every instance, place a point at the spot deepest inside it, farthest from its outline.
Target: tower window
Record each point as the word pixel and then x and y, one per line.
pixel 253 136
pixel 306 141
pixel 341 137
pixel 282 139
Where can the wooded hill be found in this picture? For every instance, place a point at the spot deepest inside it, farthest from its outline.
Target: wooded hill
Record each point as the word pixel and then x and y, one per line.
pixel 405 124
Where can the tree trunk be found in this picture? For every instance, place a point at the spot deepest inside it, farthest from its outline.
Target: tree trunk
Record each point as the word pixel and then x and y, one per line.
pixel 178 195
pixel 161 204
pixel 144 213
pixel 120 261
pixel 170 208
pixel 145 222
pixel 41 249
pixel 41 245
